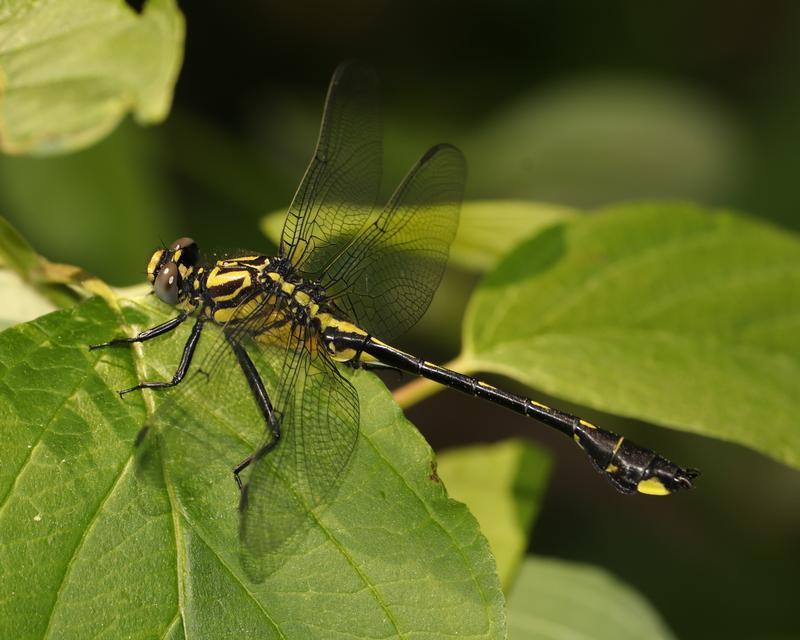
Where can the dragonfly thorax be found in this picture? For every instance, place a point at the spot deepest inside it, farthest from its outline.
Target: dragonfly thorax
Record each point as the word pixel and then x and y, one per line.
pixel 255 289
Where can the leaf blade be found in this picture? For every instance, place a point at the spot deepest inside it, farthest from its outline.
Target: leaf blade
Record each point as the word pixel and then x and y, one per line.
pixel 503 485
pixel 552 598
pixel 658 312
pixel 71 70
pixel 392 554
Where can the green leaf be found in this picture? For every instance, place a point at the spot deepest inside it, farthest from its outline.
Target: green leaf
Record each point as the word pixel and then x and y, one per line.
pixel 15 251
pixel 487 229
pixel 33 286
pixel 503 485
pixel 71 69
pixel 94 544
pixel 669 313
pixel 555 599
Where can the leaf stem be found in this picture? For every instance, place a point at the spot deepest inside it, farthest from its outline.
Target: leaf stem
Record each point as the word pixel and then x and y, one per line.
pixel 421 388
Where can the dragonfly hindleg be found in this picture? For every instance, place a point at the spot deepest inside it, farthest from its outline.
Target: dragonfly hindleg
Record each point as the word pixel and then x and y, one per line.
pixel 261 397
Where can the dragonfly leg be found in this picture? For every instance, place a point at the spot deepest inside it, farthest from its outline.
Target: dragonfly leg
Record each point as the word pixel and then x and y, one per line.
pixel 159 330
pixel 183 367
pixel 265 406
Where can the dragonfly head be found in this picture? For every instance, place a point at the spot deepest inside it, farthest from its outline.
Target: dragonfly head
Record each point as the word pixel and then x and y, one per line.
pixel 169 268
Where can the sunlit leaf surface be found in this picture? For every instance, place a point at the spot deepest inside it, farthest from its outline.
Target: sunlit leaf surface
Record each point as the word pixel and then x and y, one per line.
pixel 96 543
pixel 23 302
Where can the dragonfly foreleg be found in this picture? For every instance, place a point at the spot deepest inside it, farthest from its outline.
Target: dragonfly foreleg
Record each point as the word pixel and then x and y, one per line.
pixel 186 358
pixel 159 330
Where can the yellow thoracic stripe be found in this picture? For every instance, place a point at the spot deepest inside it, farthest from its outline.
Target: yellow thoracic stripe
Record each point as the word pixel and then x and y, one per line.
pixel 239 259
pixel 218 278
pixel 240 312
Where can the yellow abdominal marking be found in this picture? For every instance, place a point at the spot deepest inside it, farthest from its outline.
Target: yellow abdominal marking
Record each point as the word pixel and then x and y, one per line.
pixel 588 424
pixel 612 468
pixel 652 487
pixel 326 320
pixel 540 405
pixel 617 446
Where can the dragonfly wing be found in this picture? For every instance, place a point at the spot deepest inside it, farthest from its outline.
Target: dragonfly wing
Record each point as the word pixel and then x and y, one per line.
pixel 318 410
pixel 340 186
pixel 386 277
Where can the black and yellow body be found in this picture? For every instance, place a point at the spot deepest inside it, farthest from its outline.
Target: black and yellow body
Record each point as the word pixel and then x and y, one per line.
pixel 231 290
pixel 347 279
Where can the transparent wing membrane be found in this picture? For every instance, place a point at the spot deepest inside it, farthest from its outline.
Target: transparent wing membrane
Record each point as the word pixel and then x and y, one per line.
pixel 319 417
pixel 386 277
pixel 381 268
pixel 207 424
pixel 340 186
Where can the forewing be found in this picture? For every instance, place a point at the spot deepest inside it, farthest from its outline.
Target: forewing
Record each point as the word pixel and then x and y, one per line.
pixel 385 279
pixel 319 416
pixel 339 188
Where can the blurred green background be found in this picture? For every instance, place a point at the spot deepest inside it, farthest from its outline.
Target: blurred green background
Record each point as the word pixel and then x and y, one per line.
pixel 581 104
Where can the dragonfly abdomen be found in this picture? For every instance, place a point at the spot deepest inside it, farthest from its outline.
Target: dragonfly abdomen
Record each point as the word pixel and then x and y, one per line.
pixel 630 467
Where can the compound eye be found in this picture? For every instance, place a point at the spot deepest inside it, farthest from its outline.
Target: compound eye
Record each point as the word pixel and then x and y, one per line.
pixel 167 283
pixel 184 251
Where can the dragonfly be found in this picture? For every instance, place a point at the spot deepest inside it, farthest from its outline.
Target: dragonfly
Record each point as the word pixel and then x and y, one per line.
pixel 348 278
